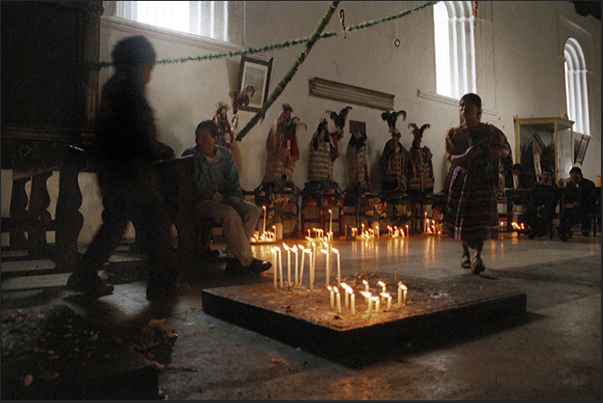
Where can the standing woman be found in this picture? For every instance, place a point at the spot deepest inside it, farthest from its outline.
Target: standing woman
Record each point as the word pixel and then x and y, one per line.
pixel 473 149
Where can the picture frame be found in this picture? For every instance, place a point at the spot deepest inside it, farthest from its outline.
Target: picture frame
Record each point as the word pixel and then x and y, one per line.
pixel 256 73
pixel 581 152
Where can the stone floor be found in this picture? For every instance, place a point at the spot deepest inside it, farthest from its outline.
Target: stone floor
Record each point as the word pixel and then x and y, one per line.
pixel 551 352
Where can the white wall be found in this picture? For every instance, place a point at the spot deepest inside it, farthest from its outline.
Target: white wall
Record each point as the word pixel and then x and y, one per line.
pixel 520 73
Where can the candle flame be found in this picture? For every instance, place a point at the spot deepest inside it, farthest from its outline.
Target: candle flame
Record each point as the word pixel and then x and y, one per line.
pixel 335 251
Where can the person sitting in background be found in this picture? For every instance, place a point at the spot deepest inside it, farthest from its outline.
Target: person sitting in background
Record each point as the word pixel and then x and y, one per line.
pixel 579 199
pixel 541 204
pixel 217 183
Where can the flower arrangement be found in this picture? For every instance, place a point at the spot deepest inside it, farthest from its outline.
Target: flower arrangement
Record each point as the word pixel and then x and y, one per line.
pixel 276 209
pixel 376 211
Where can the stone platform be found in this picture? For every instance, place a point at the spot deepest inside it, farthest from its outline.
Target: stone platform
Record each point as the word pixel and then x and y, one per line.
pixel 305 319
pixel 51 353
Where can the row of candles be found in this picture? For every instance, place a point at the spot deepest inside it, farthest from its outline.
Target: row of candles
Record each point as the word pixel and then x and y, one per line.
pixel 319 233
pixel 372 301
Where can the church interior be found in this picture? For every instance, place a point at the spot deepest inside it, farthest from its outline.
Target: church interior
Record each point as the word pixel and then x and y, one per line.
pixel 371 90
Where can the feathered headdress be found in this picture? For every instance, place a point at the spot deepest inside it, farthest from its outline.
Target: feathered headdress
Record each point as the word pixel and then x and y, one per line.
pixel 391 117
pixel 418 132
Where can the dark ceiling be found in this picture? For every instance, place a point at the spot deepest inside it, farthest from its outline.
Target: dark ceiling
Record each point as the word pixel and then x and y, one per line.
pixel 586 8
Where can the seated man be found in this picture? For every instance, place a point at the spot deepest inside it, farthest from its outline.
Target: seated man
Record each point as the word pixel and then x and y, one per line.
pixel 541 205
pixel 217 182
pixel 579 199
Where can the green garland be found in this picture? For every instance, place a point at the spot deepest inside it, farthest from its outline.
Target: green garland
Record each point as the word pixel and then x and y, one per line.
pixel 276 46
pixel 292 70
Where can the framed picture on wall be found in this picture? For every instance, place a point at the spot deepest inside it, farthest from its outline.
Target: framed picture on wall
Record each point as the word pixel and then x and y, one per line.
pixel 255 73
pixel 581 151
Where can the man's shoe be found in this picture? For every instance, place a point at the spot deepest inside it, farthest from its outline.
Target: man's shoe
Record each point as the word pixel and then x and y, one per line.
pixel 90 285
pixel 259 266
pixel 235 267
pixel 563 236
pixel 176 289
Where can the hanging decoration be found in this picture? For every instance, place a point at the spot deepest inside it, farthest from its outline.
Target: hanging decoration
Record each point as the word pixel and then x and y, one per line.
pixel 396 40
pixel 292 70
pixel 342 19
pixel 474 9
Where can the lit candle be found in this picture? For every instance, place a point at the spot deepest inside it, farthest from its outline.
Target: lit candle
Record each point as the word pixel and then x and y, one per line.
pixel 335 251
pixel 288 265
pixel 328 274
pixel 330 220
pixel 385 296
pixel 383 286
pixel 338 299
pixel 279 263
pixel 312 266
pixel 353 303
pixel 332 296
pixel 275 267
pixel 377 301
pixel 426 222
pixel 370 305
pixel 348 290
pixel 401 288
pixel 264 224
pixel 407 230
pixel 301 267
pixel 294 250
pixel 366 286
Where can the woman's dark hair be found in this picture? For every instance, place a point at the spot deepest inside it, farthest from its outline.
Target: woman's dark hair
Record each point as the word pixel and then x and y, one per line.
pixel 134 51
pixel 473 99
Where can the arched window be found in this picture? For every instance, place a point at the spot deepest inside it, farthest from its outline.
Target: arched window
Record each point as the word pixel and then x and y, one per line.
pixel 454 48
pixel 219 20
pixel 576 90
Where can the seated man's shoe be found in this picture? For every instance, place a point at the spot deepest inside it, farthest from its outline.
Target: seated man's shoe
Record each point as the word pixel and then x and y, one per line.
pixel 259 266
pixel 208 253
pixel 176 289
pixel 235 267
